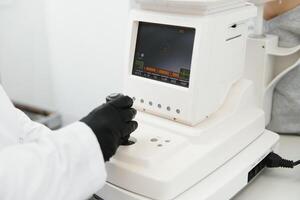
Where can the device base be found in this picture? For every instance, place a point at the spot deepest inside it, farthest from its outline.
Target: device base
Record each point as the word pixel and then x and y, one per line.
pixel 223 183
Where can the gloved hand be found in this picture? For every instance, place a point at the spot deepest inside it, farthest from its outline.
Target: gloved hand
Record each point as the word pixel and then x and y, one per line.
pixel 112 124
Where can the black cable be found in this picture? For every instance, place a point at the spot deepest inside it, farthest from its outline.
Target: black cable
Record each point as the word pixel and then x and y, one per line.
pixel 273 160
pixel 297 163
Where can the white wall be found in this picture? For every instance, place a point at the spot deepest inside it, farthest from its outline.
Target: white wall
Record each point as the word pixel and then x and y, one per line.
pixel 65 55
pixel 24 53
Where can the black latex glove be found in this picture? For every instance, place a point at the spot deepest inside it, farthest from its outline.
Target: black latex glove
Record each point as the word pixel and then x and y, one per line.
pixel 112 124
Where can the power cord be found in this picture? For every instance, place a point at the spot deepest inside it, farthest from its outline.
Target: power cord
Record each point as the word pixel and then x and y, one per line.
pixel 273 160
pixel 297 163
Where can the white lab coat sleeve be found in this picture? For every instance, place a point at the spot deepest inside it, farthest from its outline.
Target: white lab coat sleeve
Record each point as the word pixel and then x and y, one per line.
pixel 65 164
pixel 15 126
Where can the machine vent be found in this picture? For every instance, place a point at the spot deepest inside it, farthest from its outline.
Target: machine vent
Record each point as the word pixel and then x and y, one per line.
pixel 256 170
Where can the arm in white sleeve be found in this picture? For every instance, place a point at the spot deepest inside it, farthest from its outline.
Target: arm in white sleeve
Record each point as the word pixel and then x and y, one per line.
pixel 15 126
pixel 66 164
pixel 63 164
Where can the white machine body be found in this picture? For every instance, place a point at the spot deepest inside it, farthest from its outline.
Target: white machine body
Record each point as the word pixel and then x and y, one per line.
pixel 201 129
pixel 169 158
pixel 266 62
pixel 222 184
pixel 202 7
pixel 217 63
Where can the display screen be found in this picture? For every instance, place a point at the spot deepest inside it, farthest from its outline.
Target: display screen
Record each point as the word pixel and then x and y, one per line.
pixel 164 53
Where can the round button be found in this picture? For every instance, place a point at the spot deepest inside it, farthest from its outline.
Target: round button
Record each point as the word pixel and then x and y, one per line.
pixel 169 108
pixel 159 105
pixel 150 103
pixel 178 111
pixel 154 140
pixel 142 101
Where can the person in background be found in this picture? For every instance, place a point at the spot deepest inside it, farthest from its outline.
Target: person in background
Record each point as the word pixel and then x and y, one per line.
pixel 39 164
pixel 283 19
pixel 279 7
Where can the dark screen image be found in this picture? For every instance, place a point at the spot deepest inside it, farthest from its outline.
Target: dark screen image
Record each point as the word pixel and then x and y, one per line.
pixel 164 53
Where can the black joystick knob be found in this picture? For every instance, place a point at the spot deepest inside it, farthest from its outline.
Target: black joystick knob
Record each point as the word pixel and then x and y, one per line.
pixel 128 142
pixel 111 97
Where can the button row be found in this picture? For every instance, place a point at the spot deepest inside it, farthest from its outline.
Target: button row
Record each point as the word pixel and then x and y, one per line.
pixel 158 105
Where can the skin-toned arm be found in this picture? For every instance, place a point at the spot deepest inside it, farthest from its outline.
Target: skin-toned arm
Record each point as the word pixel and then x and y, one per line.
pixel 275 8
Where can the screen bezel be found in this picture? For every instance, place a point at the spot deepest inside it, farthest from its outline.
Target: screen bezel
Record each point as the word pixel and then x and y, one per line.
pixel 139 23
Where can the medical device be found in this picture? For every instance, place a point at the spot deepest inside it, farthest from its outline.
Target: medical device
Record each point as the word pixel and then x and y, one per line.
pixel 201 123
pixel 267 63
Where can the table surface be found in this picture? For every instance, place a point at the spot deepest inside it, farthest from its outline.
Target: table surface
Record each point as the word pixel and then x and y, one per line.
pixel 277 184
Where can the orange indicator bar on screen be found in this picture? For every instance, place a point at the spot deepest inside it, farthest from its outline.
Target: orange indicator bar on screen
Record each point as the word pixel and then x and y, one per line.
pixel 174 75
pixel 150 69
pixel 163 72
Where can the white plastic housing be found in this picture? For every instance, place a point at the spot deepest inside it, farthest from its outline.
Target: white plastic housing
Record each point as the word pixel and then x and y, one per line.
pixel 169 157
pixel 210 160
pixel 221 184
pixel 217 63
pixel 190 6
pixel 266 65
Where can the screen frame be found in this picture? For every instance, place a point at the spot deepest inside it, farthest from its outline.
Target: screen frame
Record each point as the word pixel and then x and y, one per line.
pixel 170 26
pixel 133 40
pixel 210 81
